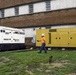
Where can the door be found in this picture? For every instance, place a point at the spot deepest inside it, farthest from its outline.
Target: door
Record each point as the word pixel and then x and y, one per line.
pixel 72 38
pixel 53 39
pixel 63 39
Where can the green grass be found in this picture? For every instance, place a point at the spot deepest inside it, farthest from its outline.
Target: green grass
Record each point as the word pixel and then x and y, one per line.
pixel 32 63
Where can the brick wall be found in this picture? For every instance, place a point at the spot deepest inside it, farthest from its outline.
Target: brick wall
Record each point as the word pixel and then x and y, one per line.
pixel 8 3
pixel 42 19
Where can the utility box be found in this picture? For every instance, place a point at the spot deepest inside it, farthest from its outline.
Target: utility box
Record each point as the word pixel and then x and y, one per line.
pixel 61 37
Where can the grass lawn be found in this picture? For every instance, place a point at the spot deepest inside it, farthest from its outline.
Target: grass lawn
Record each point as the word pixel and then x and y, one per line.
pixel 32 63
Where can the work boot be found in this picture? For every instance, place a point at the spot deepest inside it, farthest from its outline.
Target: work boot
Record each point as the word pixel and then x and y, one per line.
pixel 45 52
pixel 39 52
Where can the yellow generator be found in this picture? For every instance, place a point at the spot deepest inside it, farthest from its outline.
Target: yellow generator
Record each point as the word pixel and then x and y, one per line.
pixel 61 37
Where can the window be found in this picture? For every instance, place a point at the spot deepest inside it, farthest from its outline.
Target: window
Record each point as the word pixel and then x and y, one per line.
pixel 62 4
pixel 22 33
pixel 16 11
pixel 30 8
pixel 48 27
pixel 2 31
pixel 48 6
pixel 19 33
pixel 33 29
pixel 16 32
pixel 7 32
pixel 7 38
pixel 23 9
pixel 39 7
pixel 2 13
pixel 9 12
pixel 39 27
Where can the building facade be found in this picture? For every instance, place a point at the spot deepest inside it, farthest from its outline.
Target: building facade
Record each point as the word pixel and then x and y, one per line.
pixel 37 14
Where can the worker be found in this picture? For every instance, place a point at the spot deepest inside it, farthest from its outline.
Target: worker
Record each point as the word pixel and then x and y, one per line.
pixel 43 43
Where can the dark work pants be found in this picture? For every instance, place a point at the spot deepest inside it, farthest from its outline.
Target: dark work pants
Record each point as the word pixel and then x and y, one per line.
pixel 43 47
